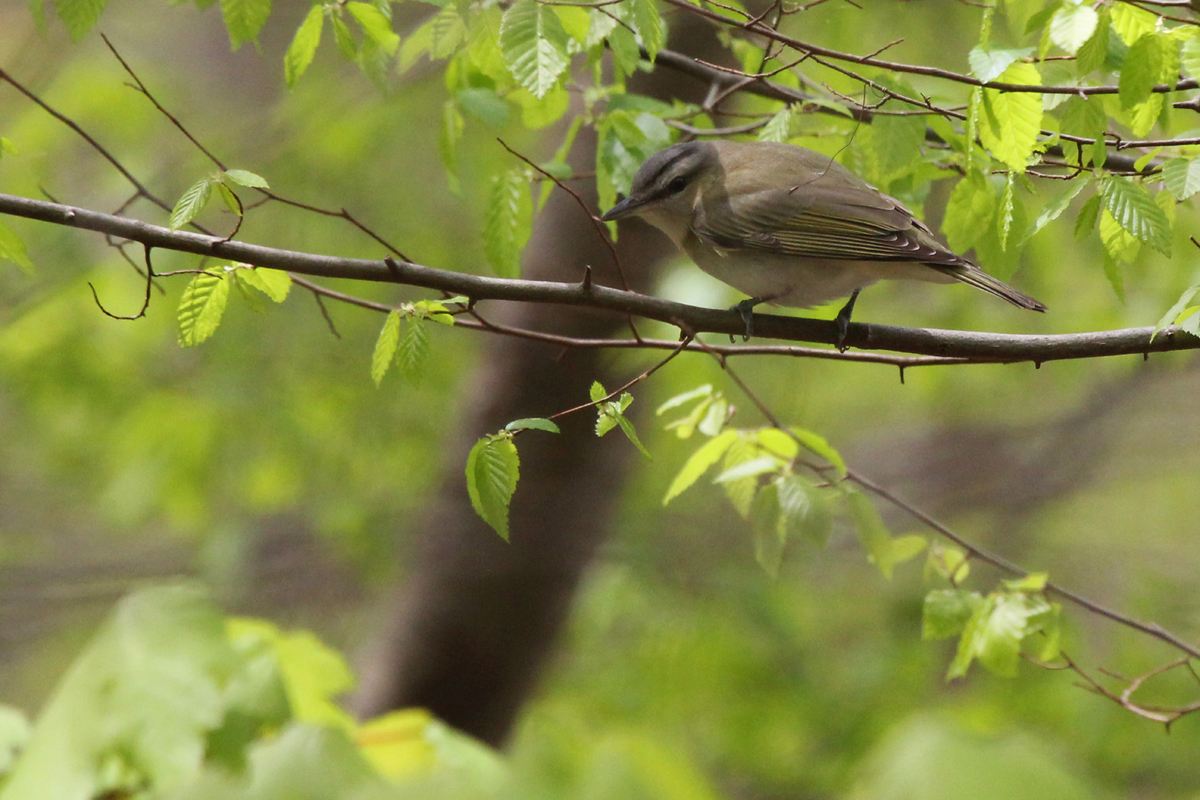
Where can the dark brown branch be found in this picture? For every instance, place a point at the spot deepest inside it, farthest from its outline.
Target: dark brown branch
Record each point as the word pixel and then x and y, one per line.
pixel 991 347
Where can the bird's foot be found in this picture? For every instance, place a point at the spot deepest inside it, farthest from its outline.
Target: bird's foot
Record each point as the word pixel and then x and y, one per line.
pixel 746 310
pixel 843 321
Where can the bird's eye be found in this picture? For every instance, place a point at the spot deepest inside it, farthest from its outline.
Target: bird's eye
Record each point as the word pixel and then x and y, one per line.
pixel 676 185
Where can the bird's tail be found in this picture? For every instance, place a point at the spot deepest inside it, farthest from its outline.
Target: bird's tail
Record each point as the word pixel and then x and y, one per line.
pixel 981 280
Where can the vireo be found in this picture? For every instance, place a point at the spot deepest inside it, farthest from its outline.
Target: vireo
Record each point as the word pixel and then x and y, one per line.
pixel 791 227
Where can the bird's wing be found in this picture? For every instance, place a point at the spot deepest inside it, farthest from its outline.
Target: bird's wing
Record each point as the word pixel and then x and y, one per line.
pixel 819 219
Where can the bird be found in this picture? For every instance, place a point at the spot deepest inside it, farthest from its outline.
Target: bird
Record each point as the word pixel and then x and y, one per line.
pixel 792 227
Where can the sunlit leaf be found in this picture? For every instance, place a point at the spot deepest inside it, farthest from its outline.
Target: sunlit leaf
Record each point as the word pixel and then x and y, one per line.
pixel 304 45
pixel 412 351
pixel 534 45
pixel 532 424
pixel 1182 177
pixel 1072 25
pixel 201 307
pixel 385 347
pixel 79 16
pixel 13 249
pixel 492 472
pixel 274 283
pixel 191 203
pixel 375 25
pixel 1009 122
pixel 244 19
pixel 1135 210
pixel 508 222
pixel 987 63
pixel 946 612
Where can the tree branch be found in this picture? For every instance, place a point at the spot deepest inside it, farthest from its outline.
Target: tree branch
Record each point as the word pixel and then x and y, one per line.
pixel 977 346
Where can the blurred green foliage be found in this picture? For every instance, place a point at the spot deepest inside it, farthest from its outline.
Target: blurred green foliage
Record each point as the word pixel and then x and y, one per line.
pixel 687 673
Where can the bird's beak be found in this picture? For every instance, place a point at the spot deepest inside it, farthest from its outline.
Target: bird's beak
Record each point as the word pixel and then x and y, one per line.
pixel 622 209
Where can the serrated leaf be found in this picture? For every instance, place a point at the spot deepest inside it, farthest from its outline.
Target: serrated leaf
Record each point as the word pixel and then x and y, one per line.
pixel 684 397
pixel 819 445
pixel 508 222
pixel 413 349
pixel 1085 223
pixel 907 547
pixel 1135 210
pixel 246 178
pixel 1174 311
pixel 948 562
pixel 79 16
pixel 201 307
pixel 343 38
pixel 1006 210
pixel 385 347
pixel 946 612
pixel 448 137
pixel 493 469
pixel 896 145
pixel 1119 243
pixel 1112 269
pixel 575 21
pixel 532 424
pixel 1131 22
pixel 1054 209
pixel 534 45
pixel 1142 69
pixel 1009 122
pixel 244 19
pixel 625 50
pixel 1190 57
pixel 304 45
pixel 1182 177
pixel 969 211
pixel 770 529
pixel 873 534
pixel 13 249
pixel 253 299
pixel 483 43
pixel 699 462
pixel 446 32
pixel 375 25
pixel 1094 52
pixel 484 105
pixel 191 203
pixel 230 199
pixel 988 63
pixel 751 468
pixel 1072 26
pixel 649 26
pixel 779 127
pixel 740 492
pixel 631 434
pixel 274 283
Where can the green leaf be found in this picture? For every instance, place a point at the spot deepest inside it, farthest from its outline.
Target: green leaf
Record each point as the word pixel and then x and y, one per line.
pixel 649 26
pixel 624 47
pixel 699 462
pixel 871 531
pixel 304 45
pixel 896 145
pixel 770 529
pixel 1054 209
pixel 13 249
pixel 508 222
pixel 134 711
pixel 534 45
pixel 907 547
pixel 1072 26
pixel 741 492
pixel 15 733
pixel 1033 582
pixel 1011 121
pixel 532 424
pixel 946 612
pixel 1190 56
pixel 274 283
pixel 484 105
pixel 1006 210
pixel 969 211
pixel 1135 210
pixel 1172 315
pixel 1142 70
pixel 483 43
pixel 244 19
pixel 413 349
pixel 779 127
pixel 375 25
pixel 685 397
pixel 1182 177
pixel 751 468
pixel 385 347
pixel 987 64
pixel 79 16
pixel 344 39
pixel 245 178
pixel 446 32
pixel 492 472
pixel 630 432
pixel 819 445
pixel 230 199
pixel 201 307
pixel 537 113
pixel 948 562
pixel 1094 52
pixel 191 203
pixel 575 21
pixel 1131 22
pixel 1089 212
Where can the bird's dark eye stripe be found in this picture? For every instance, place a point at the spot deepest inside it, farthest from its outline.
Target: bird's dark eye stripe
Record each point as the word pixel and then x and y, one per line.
pixel 676 185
